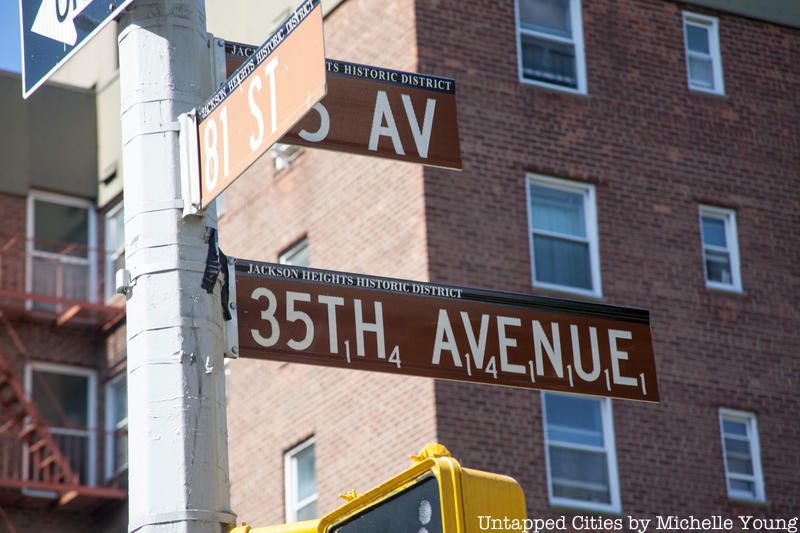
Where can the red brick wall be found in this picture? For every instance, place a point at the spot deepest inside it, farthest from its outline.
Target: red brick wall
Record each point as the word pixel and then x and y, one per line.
pixel 360 214
pixel 655 150
pixel 71 345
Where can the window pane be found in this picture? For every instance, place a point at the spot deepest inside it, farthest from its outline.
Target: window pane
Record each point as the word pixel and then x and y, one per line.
pixel 548 62
pixel 557 210
pixel 739 485
pixel 61 229
pixel 701 72
pixel 118 263
pixel 120 393
pixel 718 267
pixel 575 420
pixel 306 482
pixel 77 450
pixel 714 231
pixel 551 16
pixel 115 231
pixel 739 448
pixel 734 427
pixel 296 255
pixel 740 466
pixel 307 512
pixel 562 262
pixel 62 399
pixel 579 475
pixel 120 449
pixel 697 38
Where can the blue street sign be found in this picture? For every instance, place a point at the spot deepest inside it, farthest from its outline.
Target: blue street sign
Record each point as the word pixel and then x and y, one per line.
pixel 53 30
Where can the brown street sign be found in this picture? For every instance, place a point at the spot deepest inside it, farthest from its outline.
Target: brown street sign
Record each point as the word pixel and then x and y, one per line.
pixel 377 111
pixel 345 320
pixel 261 100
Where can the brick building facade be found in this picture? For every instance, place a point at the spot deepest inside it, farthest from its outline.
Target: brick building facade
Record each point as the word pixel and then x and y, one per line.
pixel 661 159
pixel 652 143
pixel 62 333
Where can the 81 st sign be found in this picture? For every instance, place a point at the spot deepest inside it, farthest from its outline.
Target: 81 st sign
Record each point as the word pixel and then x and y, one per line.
pixel 265 97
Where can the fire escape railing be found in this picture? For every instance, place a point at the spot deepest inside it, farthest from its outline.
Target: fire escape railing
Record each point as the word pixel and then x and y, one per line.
pixel 38 457
pixel 57 278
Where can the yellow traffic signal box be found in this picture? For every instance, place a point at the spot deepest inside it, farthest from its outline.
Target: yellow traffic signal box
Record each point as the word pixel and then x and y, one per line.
pixel 435 495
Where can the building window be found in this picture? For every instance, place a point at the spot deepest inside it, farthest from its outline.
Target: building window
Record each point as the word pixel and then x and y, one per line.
pixel 301 482
pixel 720 248
pixel 115 247
pixel 703 59
pixel 579 448
pixel 550 41
pixel 116 425
pixel 563 230
pixel 61 240
pixel 65 398
pixel 296 254
pixel 742 455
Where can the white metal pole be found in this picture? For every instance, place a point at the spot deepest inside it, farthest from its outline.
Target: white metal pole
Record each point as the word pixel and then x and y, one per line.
pixel 178 460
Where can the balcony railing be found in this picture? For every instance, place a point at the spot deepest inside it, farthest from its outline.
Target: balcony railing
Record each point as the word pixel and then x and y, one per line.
pixel 98 460
pixel 57 278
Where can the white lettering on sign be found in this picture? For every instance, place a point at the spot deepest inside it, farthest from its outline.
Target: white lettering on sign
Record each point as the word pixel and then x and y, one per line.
pixel 56 19
pixel 255 140
pixel 383 113
pixel 446 340
pixel 324 126
pixel 422 136
pixel 576 354
pixel 374 327
pixel 477 348
pixel 256 104
pixel 617 354
pixel 293 314
pixel 564 353
pixel 267 315
pixel 553 349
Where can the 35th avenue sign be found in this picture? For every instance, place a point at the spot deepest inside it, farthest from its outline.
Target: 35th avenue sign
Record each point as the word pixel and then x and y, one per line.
pixel 377 111
pixel 261 100
pixel 345 320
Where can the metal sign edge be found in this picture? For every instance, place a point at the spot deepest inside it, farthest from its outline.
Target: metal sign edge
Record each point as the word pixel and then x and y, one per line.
pixel 202 114
pixel 25 94
pixel 470 294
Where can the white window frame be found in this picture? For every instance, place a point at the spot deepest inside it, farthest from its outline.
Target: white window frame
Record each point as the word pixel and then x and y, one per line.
pixel 111 427
pixel 111 255
pixel 749 419
pixel 610 449
pixel 590 217
pixel 290 480
pixel 91 430
pixel 728 216
pixel 712 25
pixel 91 259
pixel 576 41
pixel 293 250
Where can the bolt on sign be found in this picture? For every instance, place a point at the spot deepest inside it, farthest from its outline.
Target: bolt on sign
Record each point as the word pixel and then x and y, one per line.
pixel 345 320
pixel 377 111
pixel 261 100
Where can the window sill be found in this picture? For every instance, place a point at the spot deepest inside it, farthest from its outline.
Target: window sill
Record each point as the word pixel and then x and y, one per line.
pixel 732 291
pixel 747 501
pixel 586 506
pixel 567 293
pixel 705 92
pixel 552 88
